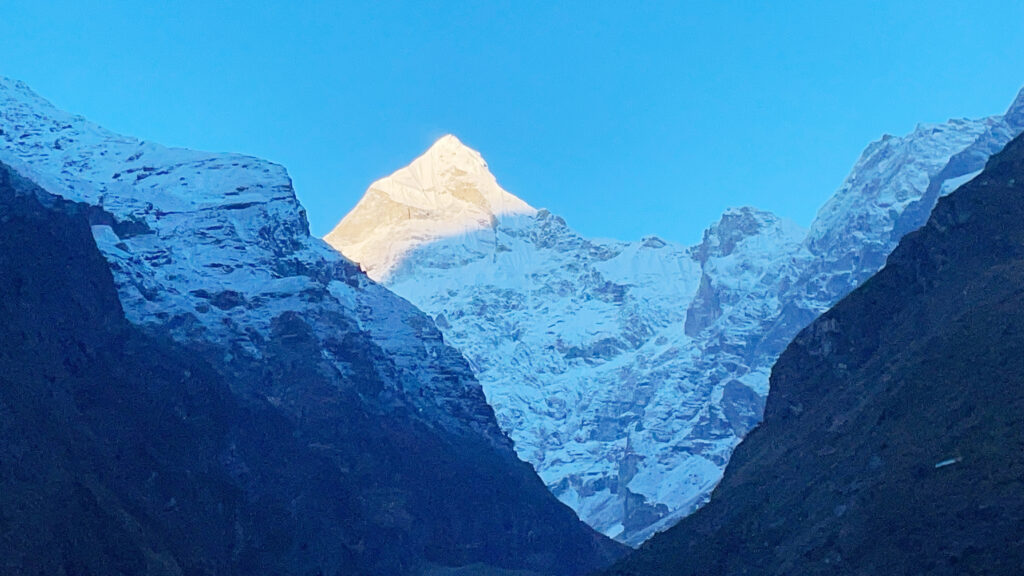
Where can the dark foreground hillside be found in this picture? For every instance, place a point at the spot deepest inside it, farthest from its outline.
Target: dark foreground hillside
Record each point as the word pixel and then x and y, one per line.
pixel 122 453
pixel 893 436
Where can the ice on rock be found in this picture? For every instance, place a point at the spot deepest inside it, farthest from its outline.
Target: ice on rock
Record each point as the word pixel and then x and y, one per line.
pixel 215 247
pixel 626 372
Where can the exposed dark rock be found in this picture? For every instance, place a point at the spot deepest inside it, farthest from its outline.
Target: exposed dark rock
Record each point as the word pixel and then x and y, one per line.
pixel 124 453
pixel 741 406
pixel 704 309
pixel 892 441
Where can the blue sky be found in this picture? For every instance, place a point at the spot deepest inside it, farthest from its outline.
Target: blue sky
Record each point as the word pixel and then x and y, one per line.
pixel 627 118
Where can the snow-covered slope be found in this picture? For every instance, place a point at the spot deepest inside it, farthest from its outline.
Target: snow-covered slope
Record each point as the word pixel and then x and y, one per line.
pixel 381 420
pixel 626 372
pixel 215 247
pixel 446 192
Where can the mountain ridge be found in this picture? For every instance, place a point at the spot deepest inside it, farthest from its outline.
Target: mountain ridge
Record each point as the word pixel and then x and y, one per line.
pixel 213 251
pixel 626 372
pixel 891 439
pixel 447 191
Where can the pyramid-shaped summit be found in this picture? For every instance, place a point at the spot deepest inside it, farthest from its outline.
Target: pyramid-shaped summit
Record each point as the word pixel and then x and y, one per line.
pixel 626 372
pixel 445 192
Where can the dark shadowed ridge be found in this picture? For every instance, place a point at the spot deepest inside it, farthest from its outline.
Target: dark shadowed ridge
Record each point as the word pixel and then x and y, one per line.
pixel 123 453
pixel 893 437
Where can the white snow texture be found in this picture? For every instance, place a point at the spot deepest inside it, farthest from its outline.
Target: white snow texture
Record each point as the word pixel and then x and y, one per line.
pixel 626 372
pixel 214 248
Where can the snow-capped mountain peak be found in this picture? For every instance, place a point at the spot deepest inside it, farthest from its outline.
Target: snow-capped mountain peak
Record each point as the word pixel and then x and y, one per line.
pixel 214 251
pixel 215 248
pixel 446 192
pixel 626 372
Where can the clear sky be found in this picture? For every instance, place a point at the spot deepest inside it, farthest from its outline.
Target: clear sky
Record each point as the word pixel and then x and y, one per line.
pixel 627 118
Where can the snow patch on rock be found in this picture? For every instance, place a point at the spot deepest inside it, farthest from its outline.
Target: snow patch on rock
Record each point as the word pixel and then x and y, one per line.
pixel 216 248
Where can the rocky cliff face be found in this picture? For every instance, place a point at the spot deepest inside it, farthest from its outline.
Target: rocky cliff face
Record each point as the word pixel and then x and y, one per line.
pixel 216 248
pixel 892 438
pixel 359 423
pixel 626 372
pixel 124 453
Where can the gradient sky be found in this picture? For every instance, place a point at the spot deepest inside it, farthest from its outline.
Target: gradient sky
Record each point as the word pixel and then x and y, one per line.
pixel 627 118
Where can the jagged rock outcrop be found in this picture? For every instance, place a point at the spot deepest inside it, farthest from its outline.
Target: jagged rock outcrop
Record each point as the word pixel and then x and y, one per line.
pixel 333 430
pixel 892 438
pixel 626 372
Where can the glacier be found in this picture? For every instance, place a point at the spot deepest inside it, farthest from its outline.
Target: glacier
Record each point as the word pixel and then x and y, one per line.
pixel 626 372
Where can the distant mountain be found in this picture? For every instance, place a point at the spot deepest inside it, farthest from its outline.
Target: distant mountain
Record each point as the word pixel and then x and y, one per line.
pixel 892 441
pixel 304 420
pixel 447 192
pixel 626 372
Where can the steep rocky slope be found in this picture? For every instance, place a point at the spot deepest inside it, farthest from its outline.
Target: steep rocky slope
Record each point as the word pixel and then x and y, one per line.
pixel 892 441
pixel 626 372
pixel 339 407
pixel 122 453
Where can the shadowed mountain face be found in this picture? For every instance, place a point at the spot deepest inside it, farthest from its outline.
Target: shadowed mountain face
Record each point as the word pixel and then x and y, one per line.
pixel 893 441
pixel 125 453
